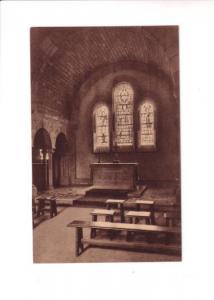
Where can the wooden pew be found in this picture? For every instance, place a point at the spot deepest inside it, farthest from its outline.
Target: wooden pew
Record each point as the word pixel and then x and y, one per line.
pixel 46 204
pixel 119 203
pixel 108 213
pixel 109 226
pixel 134 216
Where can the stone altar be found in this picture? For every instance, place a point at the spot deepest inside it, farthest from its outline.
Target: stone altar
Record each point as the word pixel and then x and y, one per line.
pixel 120 176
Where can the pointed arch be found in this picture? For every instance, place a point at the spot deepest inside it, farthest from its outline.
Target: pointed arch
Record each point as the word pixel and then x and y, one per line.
pixel 61 143
pixel 42 139
pixel 42 151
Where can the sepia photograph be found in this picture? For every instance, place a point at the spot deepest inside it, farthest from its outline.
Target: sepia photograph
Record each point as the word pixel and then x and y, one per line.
pixel 106 149
pixel 105 144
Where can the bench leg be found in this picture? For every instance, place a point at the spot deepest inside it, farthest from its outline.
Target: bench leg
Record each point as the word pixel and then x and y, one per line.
pixel 128 233
pixel 148 221
pixel 111 232
pixel 54 208
pixel 81 237
pixel 78 243
pixel 122 213
pixel 40 209
pixel 152 215
pixel 136 221
pixel 93 230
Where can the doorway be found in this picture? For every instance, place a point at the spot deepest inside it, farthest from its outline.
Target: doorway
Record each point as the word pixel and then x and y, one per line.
pixel 61 162
pixel 41 157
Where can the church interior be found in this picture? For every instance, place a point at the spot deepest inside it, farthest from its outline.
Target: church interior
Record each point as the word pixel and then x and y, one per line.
pixel 105 144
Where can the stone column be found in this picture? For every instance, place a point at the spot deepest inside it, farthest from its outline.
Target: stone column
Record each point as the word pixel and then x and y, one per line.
pixel 50 169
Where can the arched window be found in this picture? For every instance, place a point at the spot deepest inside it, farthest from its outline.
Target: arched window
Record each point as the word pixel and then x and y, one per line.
pixel 123 96
pixel 147 131
pixel 101 138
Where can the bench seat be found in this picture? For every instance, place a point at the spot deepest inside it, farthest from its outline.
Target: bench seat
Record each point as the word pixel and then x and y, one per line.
pixel 124 226
pixel 136 215
pixel 145 202
pixel 115 201
pixel 103 212
pixel 107 213
pixel 148 229
pixel 143 214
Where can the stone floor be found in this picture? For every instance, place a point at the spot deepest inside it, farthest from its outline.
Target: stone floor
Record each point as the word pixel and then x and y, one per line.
pixel 53 242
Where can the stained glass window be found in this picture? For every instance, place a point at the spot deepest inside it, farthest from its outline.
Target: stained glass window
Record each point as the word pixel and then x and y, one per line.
pixel 101 139
pixel 147 132
pixel 123 96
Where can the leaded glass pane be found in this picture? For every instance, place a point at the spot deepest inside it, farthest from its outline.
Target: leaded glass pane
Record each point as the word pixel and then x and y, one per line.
pixel 123 95
pixel 101 129
pixel 147 125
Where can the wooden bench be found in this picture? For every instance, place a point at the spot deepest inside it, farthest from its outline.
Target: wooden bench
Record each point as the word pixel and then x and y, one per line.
pixel 108 213
pixel 46 204
pixel 118 203
pixel 136 215
pixel 149 204
pixel 109 226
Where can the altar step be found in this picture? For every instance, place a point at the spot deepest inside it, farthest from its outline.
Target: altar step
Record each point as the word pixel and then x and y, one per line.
pixel 96 197
pixel 115 193
pixel 91 202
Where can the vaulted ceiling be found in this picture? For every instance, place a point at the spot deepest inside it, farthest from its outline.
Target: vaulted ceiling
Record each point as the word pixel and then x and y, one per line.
pixel 61 58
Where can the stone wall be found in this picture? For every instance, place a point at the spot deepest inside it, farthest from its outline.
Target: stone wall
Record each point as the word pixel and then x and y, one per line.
pixel 42 117
pixel 161 164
